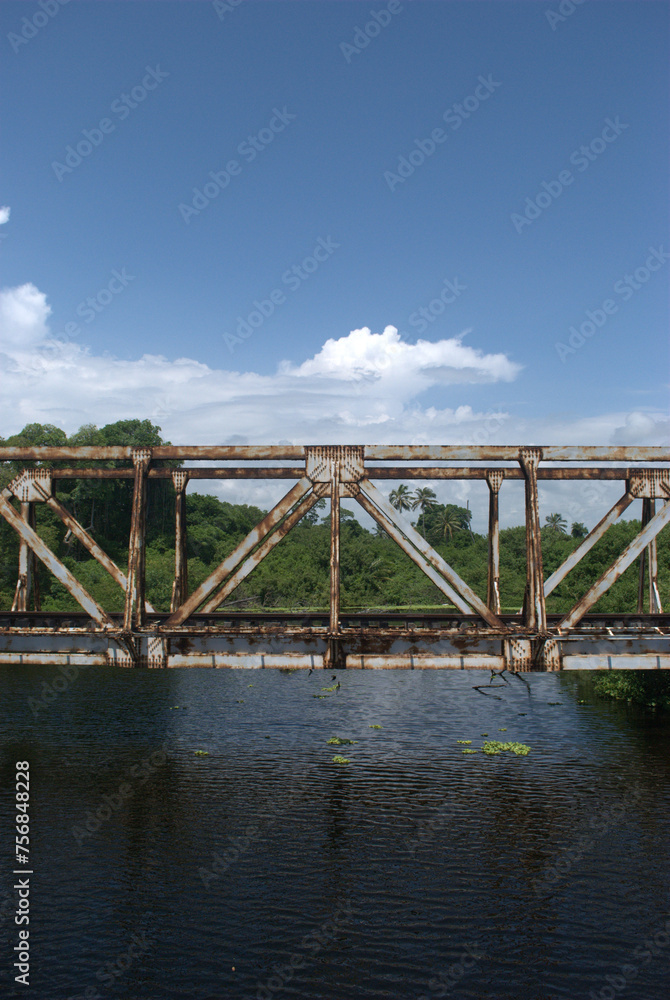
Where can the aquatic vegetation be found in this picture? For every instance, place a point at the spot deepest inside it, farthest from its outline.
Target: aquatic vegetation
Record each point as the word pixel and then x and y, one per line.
pixel 464 741
pixel 494 747
pixel 333 688
pixel 201 753
pixel 374 727
pixel 340 760
pixel 469 751
pixel 240 701
pixel 340 742
pixel 318 696
pixel 484 734
pixel 503 730
pixel 554 703
pixel 249 685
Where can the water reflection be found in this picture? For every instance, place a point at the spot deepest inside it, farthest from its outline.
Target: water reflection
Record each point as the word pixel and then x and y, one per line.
pixel 227 863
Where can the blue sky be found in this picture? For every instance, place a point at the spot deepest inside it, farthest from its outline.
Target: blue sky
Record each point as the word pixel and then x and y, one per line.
pixel 331 123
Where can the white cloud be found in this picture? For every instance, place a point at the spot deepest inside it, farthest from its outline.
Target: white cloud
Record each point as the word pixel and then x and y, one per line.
pixel 4 214
pixel 361 388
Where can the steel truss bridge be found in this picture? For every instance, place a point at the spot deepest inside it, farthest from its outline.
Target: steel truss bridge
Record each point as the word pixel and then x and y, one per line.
pixel 200 630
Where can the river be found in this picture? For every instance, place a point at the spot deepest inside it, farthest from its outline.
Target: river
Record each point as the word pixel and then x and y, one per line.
pixel 191 837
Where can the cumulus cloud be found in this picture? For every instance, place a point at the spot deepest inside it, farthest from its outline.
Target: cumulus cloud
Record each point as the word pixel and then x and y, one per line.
pixel 383 356
pixel 4 214
pixel 364 387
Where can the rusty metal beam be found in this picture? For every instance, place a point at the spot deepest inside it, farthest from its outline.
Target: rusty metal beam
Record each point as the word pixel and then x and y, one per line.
pixel 650 554
pixel 501 453
pixel 52 562
pixel 569 472
pixel 494 479
pixel 137 545
pixel 180 583
pixel 534 607
pixel 385 453
pixel 256 557
pixel 619 566
pixel 335 551
pixel 208 586
pixel 194 472
pixel 24 584
pixel 460 587
pixel 601 527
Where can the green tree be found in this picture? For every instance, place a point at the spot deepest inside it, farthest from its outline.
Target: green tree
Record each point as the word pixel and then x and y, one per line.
pixel 401 498
pixel 452 521
pixel 423 498
pixel 578 530
pixel 557 523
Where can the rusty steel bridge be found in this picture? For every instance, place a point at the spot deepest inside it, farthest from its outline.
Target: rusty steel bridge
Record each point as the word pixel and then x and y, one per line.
pixel 199 630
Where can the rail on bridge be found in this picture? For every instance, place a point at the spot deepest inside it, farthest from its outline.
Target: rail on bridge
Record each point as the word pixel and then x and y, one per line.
pixel 475 635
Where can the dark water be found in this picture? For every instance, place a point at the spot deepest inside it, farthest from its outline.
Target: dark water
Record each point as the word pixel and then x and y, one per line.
pixel 413 871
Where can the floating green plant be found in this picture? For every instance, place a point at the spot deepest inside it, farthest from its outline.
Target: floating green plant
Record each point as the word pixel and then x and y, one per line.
pixel 494 747
pixel 484 734
pixel 469 751
pixel 240 701
pixel 374 727
pixel 318 696
pixel 201 753
pixel 249 685
pixel 333 688
pixel 337 759
pixel 339 742
pixel 503 730
pixel 464 741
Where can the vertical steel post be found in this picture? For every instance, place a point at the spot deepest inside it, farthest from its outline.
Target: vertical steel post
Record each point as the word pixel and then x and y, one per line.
pixel 137 544
pixel 24 584
pixel 650 556
pixel 335 549
pixel 494 478
pixel 534 606
pixel 180 584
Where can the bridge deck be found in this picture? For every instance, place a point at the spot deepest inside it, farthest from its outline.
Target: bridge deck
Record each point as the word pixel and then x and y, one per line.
pixel 365 640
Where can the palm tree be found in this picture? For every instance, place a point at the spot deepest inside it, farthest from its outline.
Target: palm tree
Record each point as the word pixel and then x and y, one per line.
pixel 451 521
pixel 557 523
pixel 401 498
pixel 424 497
